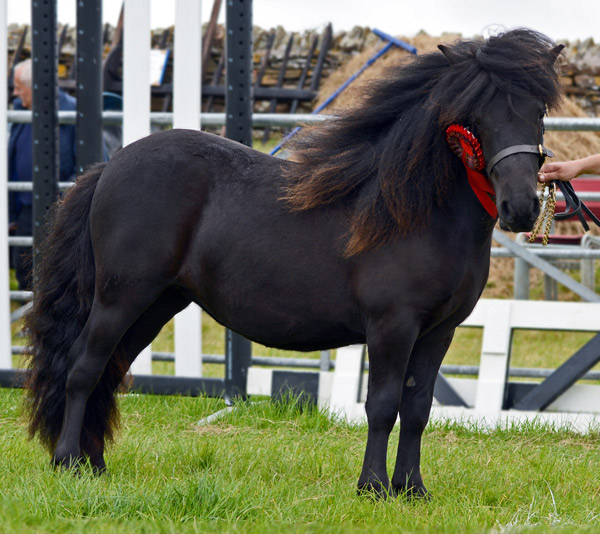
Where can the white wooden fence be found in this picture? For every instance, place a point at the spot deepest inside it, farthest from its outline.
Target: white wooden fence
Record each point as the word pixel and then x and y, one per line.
pixel 578 407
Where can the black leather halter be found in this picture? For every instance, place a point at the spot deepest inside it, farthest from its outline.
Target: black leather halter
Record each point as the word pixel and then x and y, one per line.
pixel 540 150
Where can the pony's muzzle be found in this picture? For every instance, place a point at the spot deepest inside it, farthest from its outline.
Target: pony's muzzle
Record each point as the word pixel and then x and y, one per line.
pixel 519 216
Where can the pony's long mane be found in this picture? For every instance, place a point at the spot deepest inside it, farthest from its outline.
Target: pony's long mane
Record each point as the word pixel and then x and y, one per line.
pixel 388 158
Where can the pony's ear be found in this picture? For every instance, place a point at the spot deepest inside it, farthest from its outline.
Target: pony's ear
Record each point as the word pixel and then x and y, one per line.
pixel 451 56
pixel 555 52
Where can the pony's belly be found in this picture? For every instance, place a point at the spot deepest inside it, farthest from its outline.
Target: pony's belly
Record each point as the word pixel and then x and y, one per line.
pixel 314 342
pixel 311 338
pixel 290 327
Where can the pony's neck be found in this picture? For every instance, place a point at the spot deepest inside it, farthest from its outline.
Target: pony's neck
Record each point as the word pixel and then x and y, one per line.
pixel 465 214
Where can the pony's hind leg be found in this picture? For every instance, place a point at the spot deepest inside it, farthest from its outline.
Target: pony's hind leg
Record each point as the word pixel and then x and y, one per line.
pixel 108 322
pixel 87 359
pixel 417 396
pixel 139 336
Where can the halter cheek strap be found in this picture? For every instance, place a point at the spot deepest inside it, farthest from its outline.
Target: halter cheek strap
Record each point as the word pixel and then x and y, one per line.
pixel 540 150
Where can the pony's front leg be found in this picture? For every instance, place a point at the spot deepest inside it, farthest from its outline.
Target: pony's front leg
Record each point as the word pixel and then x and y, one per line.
pixel 388 357
pixel 417 396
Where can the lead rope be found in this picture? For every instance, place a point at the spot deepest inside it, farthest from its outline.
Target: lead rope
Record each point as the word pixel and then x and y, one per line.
pixel 546 213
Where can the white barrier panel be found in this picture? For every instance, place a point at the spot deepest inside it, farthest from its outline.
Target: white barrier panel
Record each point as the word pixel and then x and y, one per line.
pixel 495 350
pixel 187 62
pixel 188 342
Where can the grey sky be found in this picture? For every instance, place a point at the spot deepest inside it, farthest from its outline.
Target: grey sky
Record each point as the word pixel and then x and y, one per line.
pixel 559 19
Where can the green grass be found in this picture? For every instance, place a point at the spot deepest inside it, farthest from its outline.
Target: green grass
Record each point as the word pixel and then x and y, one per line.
pixel 273 468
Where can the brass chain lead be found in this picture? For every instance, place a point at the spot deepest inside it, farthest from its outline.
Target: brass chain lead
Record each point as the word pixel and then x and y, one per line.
pixel 550 207
pixel 540 219
pixel 546 212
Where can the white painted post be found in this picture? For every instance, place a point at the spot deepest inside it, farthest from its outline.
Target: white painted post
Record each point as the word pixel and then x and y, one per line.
pixel 5 339
pixel 188 342
pixel 136 70
pixel 187 88
pixel 495 351
pixel 346 380
pixel 187 93
pixel 136 100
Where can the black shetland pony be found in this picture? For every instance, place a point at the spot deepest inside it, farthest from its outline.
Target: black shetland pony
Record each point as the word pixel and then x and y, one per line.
pixel 373 235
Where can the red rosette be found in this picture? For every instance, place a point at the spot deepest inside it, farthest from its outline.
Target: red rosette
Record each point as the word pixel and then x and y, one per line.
pixel 466 146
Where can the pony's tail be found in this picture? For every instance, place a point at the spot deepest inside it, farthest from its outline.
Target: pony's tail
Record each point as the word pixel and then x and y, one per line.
pixel 63 289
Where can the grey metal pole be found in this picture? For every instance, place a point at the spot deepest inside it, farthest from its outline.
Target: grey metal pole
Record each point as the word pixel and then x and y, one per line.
pixel 45 114
pixel 521 279
pixel 521 275
pixel 238 126
pixel 89 83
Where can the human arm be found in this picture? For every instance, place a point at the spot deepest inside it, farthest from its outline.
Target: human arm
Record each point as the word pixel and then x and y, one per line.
pixel 567 170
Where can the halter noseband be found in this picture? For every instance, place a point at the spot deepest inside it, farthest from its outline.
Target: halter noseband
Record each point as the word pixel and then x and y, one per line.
pixel 540 150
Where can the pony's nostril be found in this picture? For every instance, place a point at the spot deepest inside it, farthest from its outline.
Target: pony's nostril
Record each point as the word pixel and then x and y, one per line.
pixel 505 212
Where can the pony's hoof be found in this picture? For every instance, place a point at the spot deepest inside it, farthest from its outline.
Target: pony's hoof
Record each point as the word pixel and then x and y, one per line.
pixel 69 463
pixel 375 490
pixel 99 470
pixel 65 460
pixel 413 493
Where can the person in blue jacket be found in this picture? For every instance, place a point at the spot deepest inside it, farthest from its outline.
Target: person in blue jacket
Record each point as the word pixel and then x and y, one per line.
pixel 20 165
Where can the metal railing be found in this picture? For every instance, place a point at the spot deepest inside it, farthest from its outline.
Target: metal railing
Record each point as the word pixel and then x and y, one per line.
pixel 260 120
pixel 314 363
pixel 160 118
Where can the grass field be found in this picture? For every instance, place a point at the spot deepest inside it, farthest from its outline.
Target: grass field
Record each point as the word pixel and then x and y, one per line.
pixel 268 468
pixel 272 468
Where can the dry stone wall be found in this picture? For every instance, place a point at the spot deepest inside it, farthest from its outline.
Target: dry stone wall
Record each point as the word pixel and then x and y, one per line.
pixel 581 77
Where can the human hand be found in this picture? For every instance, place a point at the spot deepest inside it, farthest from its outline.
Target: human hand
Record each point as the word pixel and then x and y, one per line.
pixel 12 226
pixel 560 170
